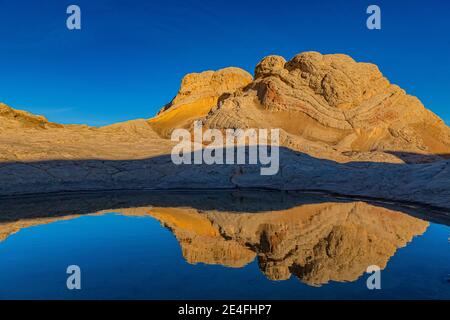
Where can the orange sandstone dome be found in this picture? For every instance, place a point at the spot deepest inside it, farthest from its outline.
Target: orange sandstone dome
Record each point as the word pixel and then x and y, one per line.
pixel 328 106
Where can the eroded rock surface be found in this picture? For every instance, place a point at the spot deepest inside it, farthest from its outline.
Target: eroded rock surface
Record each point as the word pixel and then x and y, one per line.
pixel 330 106
pixel 26 138
pixel 198 94
pixel 345 128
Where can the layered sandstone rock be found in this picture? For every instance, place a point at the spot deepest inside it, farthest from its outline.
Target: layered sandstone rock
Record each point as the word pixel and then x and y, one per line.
pixel 330 106
pixel 11 119
pixel 327 106
pixel 25 137
pixel 331 110
pixel 198 94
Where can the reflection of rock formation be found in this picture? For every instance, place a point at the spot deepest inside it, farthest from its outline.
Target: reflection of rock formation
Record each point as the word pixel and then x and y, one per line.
pixel 200 241
pixel 317 243
pixel 9 228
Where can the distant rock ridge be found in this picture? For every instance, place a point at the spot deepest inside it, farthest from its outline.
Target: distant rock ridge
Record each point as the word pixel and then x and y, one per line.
pixel 13 119
pixel 26 137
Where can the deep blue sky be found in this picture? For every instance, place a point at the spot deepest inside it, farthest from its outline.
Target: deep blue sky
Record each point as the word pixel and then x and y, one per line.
pixel 129 57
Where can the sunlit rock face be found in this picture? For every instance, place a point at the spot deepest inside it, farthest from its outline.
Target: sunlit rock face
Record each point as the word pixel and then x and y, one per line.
pixel 342 124
pixel 333 107
pixel 328 106
pixel 27 138
pixel 15 119
pixel 198 94
pixel 317 243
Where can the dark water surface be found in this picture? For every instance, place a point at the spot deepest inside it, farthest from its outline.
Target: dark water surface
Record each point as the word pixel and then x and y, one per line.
pixel 254 245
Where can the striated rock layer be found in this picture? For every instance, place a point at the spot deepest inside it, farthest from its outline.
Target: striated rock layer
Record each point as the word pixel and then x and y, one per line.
pixel 327 106
pixel 330 106
pixel 25 137
pixel 345 130
pixel 198 94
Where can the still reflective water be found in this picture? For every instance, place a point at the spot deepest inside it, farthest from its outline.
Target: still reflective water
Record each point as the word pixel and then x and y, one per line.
pixel 221 245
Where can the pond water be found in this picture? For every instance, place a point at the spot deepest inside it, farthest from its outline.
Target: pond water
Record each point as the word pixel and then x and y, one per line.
pixel 255 245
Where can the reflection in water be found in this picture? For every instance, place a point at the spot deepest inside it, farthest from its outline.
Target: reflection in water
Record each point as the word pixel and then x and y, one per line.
pixel 317 241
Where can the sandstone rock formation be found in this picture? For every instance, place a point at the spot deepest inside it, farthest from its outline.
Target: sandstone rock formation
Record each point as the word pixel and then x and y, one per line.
pixel 330 106
pixel 198 94
pixel 25 137
pixel 12 119
pixel 327 106
pixel 345 129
